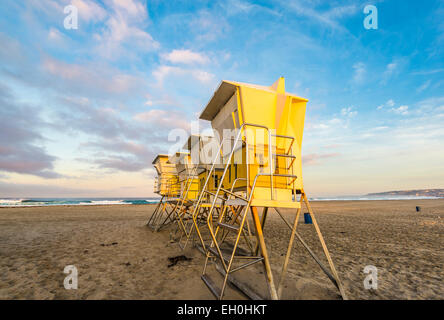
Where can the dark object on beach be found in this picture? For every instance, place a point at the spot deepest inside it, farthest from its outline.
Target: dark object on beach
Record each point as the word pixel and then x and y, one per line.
pixel 175 260
pixel 109 244
pixel 127 264
pixel 418 209
pixel 307 218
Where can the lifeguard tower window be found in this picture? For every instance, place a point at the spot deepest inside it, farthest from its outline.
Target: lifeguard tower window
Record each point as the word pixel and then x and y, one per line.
pixel 216 184
pixel 235 171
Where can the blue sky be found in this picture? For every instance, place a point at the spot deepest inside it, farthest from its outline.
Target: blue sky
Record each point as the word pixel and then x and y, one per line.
pixel 83 112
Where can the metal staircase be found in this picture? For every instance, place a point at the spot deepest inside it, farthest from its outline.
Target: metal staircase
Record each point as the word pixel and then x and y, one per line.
pixel 229 259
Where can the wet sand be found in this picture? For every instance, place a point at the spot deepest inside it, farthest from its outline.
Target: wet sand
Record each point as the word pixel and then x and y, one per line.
pixel 118 257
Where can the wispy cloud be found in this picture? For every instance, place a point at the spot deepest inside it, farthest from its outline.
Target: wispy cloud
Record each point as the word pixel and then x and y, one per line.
pixel 316 158
pixel 233 7
pixel 120 155
pixel 92 78
pixel 359 72
pixel 208 26
pixel 163 118
pixel 424 86
pixel 325 17
pixel 403 110
pixel 124 30
pixel 185 56
pixel 79 114
pixel 55 35
pixel 390 103
pixel 20 139
pixel 349 112
pixel 428 72
pixel 393 69
pixel 433 106
pixel 89 11
pixel 165 71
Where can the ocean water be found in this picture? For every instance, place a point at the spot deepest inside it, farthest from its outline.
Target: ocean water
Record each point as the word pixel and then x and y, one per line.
pixel 35 202
pixel 367 197
pixel 30 202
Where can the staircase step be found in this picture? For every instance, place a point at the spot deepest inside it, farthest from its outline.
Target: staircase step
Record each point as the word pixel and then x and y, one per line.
pixel 239 251
pixel 227 255
pixel 284 155
pixel 213 250
pixel 243 287
pixel 210 284
pixel 236 202
pixel 228 226
pixel 255 260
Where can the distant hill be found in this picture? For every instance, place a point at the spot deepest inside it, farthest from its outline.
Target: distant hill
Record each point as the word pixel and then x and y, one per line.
pixel 419 193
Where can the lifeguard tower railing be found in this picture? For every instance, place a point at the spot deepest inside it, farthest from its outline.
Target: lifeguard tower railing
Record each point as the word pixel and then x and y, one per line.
pixel 189 188
pixel 231 187
pixel 167 188
pixel 156 186
pixel 246 175
pixel 161 215
pixel 198 173
pixel 188 177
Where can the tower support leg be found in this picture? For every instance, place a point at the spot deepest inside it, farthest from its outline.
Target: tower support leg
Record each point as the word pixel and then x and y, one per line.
pixel 263 248
pixel 287 256
pixel 324 246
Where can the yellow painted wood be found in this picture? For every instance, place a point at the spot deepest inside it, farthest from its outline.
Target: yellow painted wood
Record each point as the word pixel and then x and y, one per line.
pixel 275 204
pixel 187 177
pixel 208 205
pixel 273 107
pixel 167 180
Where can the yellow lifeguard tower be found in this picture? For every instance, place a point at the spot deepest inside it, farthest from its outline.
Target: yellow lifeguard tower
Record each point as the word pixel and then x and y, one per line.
pixel 167 186
pixel 199 172
pixel 165 173
pixel 262 168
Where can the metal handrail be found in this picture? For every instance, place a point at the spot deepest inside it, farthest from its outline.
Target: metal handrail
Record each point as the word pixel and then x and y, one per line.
pixel 245 124
pixel 286 137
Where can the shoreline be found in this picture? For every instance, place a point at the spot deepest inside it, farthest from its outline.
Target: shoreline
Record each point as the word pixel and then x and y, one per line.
pixel 155 203
pixel 78 205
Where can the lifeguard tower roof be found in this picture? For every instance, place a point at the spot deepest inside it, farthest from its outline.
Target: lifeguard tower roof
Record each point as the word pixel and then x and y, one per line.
pixel 193 139
pixel 175 157
pixel 226 90
pixel 159 156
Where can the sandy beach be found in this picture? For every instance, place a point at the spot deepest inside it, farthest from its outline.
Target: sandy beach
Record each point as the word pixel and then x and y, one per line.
pixel 118 257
